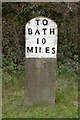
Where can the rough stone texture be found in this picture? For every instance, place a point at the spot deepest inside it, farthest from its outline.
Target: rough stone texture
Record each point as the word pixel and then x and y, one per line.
pixel 40 81
pixel 40 65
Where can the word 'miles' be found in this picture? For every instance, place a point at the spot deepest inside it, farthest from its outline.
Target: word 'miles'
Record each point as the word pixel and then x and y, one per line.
pixel 41 38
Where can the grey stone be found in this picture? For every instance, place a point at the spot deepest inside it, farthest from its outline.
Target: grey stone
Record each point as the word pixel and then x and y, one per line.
pixel 40 81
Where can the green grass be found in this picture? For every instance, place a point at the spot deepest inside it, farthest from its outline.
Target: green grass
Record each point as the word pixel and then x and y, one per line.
pixel 66 99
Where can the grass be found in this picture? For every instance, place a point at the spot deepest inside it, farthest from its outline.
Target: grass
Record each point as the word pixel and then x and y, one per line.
pixel 66 99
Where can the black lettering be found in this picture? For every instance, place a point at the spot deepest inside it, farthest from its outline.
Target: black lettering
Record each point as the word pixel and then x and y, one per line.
pixel 37 40
pixel 51 31
pixel 44 29
pixel 29 31
pixel 53 50
pixel 47 50
pixel 36 50
pixel 29 49
pixel 39 49
pixel 45 22
pixel 43 40
pixel 37 32
pixel 37 21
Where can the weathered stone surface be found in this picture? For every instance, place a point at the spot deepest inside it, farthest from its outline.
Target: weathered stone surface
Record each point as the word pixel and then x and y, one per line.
pixel 40 80
pixel 40 66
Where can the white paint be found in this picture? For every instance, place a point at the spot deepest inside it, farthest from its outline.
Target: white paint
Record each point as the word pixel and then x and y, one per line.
pixel 31 39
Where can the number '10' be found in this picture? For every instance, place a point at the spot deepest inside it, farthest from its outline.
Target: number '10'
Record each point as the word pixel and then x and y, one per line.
pixel 43 40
